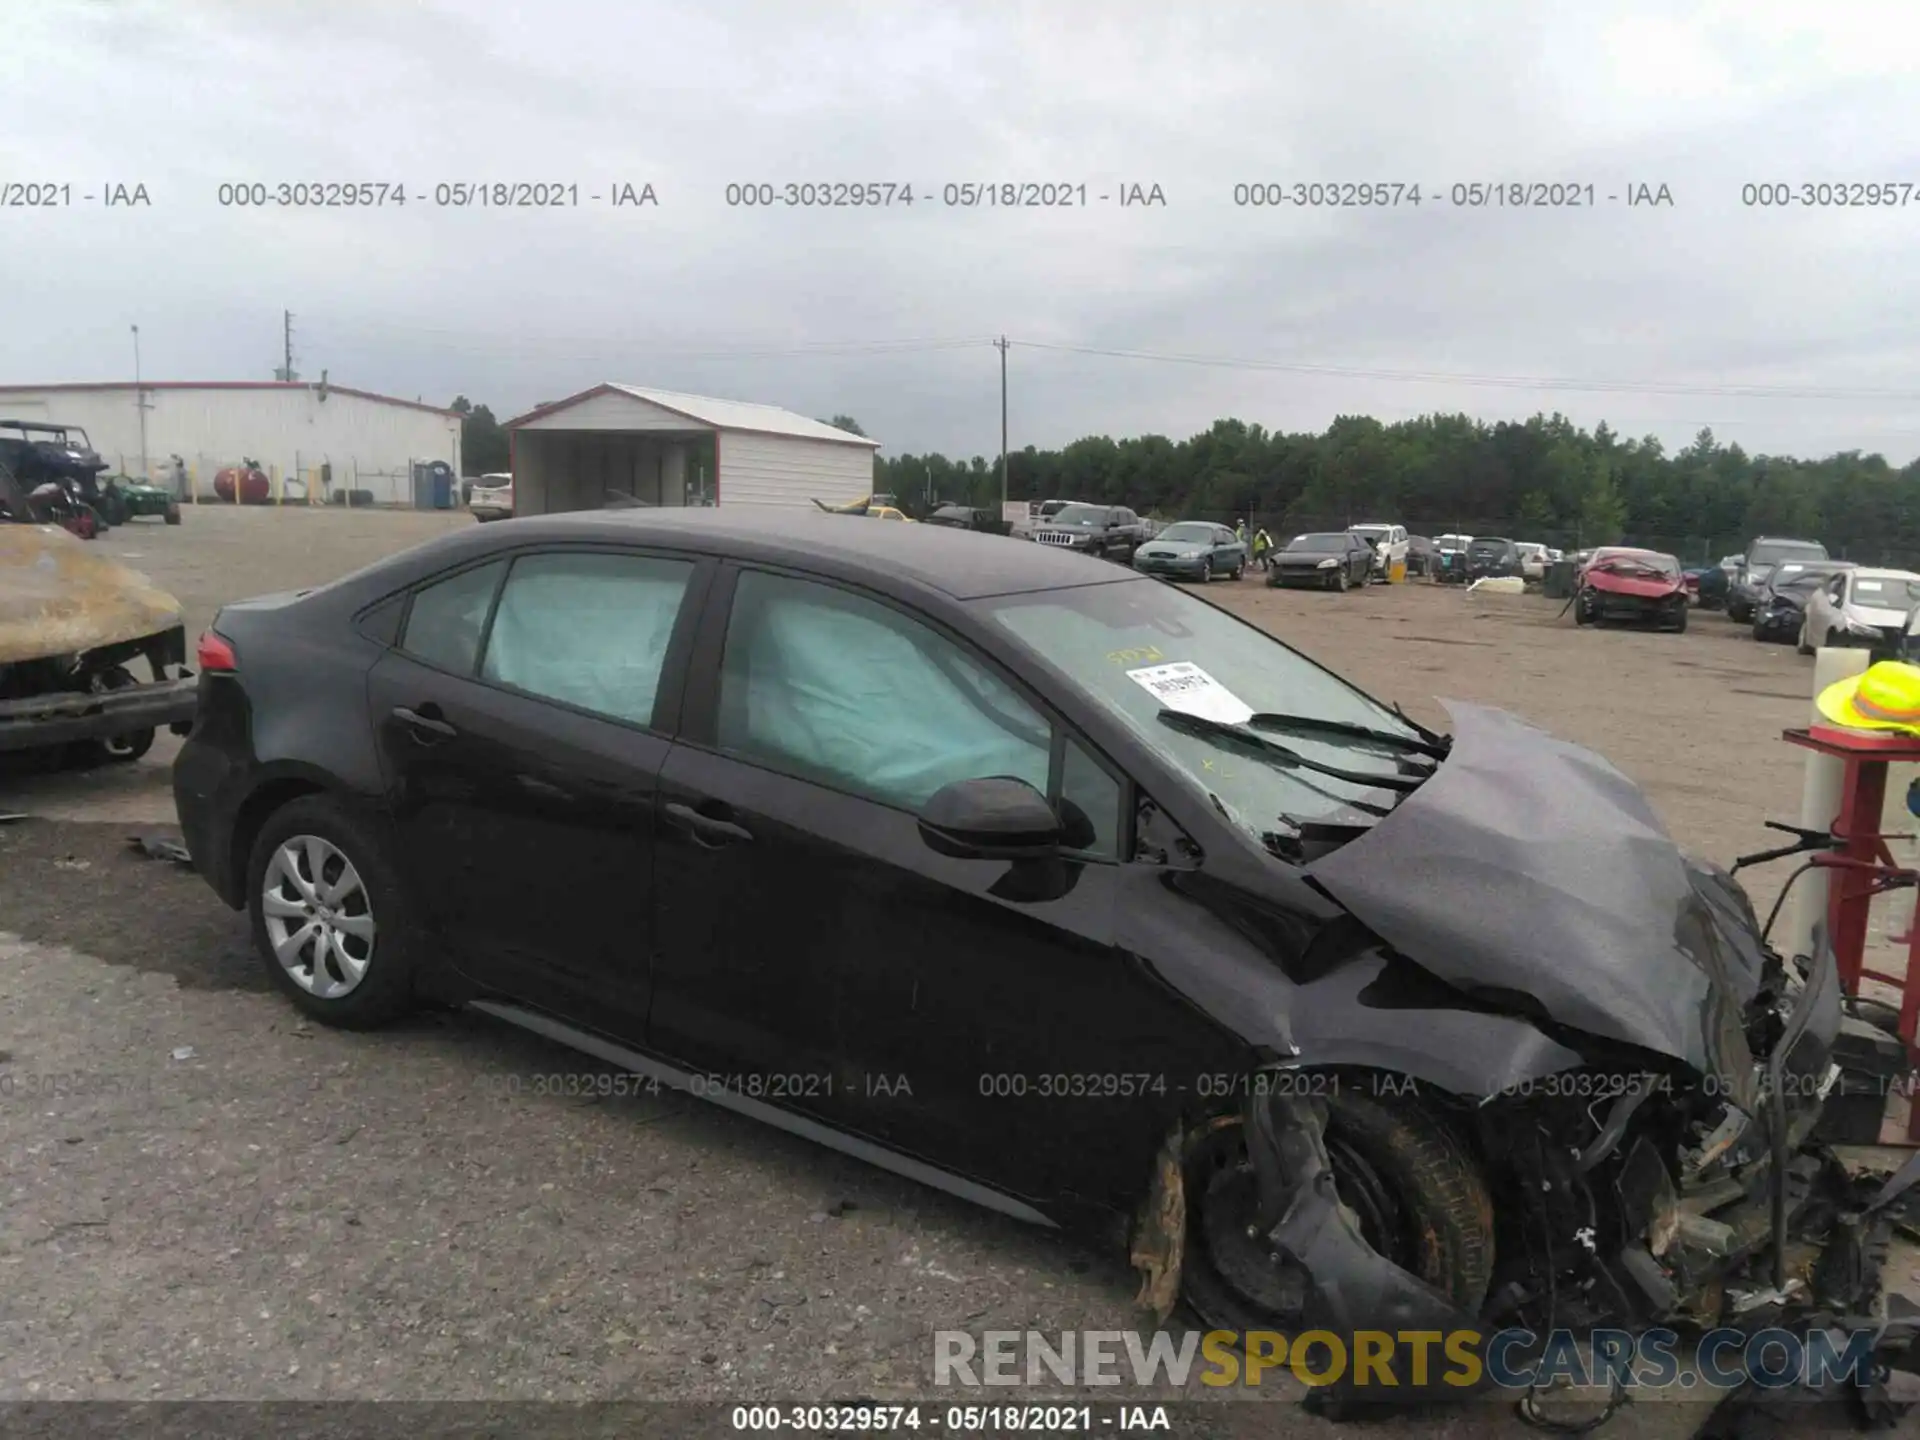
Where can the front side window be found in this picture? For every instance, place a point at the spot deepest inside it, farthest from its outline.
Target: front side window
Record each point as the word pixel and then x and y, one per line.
pixel 447 618
pixel 588 629
pixel 1138 648
pixel 844 691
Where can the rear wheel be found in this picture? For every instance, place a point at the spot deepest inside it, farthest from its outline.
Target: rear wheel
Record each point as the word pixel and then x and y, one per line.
pixel 1420 1200
pixel 331 919
pixel 1239 569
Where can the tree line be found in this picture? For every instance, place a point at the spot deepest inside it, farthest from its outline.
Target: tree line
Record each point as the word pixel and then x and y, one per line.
pixel 1543 479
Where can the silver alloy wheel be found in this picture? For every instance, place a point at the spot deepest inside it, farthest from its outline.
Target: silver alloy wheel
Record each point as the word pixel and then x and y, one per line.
pixel 319 916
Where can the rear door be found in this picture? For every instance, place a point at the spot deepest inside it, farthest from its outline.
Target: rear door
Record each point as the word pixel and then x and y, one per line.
pixel 522 722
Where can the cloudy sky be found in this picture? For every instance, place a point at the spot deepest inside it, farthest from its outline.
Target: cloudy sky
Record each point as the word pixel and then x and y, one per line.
pixel 1788 329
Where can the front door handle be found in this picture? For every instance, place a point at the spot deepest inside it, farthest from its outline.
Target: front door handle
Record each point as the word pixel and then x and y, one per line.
pixel 423 725
pixel 705 829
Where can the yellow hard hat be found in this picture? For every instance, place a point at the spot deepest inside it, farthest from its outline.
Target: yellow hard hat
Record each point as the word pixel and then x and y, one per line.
pixel 1885 696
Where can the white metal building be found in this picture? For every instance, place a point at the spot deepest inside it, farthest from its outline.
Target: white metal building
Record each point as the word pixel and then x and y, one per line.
pixel 366 441
pixel 659 447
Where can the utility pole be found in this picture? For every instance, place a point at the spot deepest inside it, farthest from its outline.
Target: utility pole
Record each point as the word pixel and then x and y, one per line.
pixel 286 348
pixel 140 403
pixel 1001 346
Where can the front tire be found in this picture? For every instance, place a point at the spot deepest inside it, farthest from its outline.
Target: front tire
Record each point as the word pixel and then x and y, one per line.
pixel 1419 1196
pixel 1800 643
pixel 331 919
pixel 1206 571
pixel 1340 581
pixel 117 749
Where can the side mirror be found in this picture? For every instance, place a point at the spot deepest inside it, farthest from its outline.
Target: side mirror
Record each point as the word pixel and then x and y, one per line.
pixel 992 818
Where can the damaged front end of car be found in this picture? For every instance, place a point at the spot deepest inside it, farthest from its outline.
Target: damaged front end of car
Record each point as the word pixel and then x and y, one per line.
pixel 72 623
pixel 1655 1160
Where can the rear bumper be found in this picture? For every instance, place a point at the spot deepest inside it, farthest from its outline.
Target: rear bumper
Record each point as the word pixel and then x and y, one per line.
pixel 60 718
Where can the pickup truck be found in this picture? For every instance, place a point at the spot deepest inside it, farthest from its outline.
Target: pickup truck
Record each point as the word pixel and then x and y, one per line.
pixel 1111 531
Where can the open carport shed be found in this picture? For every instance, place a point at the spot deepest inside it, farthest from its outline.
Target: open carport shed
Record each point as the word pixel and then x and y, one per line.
pixel 621 444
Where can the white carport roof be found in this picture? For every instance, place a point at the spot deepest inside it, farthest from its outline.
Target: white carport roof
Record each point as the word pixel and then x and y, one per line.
pixel 710 413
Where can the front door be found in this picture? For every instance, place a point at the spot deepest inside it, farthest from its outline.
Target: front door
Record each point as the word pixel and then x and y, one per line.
pixel 966 1012
pixel 522 754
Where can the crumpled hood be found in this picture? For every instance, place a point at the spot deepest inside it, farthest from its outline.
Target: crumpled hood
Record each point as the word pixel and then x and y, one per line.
pixel 59 596
pixel 1641 586
pixel 1533 874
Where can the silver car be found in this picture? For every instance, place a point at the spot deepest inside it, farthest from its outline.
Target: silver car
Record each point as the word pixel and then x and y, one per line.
pixel 1860 608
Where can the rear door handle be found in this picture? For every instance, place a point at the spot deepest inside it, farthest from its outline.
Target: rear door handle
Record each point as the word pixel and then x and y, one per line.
pixel 705 829
pixel 423 725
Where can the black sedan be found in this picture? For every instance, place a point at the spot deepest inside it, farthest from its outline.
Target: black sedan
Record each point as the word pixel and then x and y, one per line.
pixel 1334 560
pixel 1021 875
pixel 1781 605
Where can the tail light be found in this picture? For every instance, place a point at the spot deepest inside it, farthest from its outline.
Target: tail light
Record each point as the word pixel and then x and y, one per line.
pixel 215 654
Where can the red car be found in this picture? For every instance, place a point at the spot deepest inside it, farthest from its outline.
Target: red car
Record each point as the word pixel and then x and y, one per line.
pixel 1637 586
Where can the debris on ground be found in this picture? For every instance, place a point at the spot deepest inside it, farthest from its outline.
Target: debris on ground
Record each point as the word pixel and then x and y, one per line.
pixel 184 1052
pixel 159 847
pixel 72 862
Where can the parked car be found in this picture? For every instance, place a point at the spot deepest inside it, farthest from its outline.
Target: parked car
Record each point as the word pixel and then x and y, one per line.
pixel 1780 614
pixel 1113 532
pixel 1533 559
pixel 968 517
pixel 1421 556
pixel 492 498
pixel 72 623
pixel 1641 587
pixel 1389 544
pixel 1490 556
pixel 1193 550
pixel 1327 560
pixel 1450 557
pixel 1757 564
pixel 1166 853
pixel 1860 607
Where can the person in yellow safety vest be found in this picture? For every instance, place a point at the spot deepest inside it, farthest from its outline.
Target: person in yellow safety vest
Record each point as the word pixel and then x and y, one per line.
pixel 1240 530
pixel 1262 547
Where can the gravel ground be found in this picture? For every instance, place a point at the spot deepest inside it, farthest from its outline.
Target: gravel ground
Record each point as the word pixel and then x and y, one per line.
pixel 207 1198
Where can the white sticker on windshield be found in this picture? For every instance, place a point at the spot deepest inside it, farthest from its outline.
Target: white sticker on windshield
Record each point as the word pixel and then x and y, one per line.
pixel 1186 687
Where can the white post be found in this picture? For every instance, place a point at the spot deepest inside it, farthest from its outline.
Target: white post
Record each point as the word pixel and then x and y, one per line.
pixel 1819 802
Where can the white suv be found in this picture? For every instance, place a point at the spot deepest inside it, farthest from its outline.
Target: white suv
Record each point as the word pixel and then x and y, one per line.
pixel 492 498
pixel 1389 545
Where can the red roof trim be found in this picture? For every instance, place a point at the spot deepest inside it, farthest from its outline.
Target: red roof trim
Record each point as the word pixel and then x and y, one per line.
pixel 332 389
pixel 700 421
pixel 554 405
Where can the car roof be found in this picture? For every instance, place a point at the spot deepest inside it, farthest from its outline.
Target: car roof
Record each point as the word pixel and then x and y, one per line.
pixel 1864 572
pixel 961 563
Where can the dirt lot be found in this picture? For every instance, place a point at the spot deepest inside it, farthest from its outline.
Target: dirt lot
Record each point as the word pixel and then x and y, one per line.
pixel 227 1203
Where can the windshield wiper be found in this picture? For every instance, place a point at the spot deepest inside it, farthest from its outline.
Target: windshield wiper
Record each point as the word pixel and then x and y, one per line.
pixel 1285 755
pixel 1428 743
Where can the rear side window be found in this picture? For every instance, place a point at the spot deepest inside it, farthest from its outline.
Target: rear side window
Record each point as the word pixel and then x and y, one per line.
pixel 588 630
pixel 447 618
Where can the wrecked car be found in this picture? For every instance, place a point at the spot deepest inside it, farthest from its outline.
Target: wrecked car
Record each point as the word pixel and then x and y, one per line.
pixel 72 624
pixel 1634 587
pixel 1071 894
